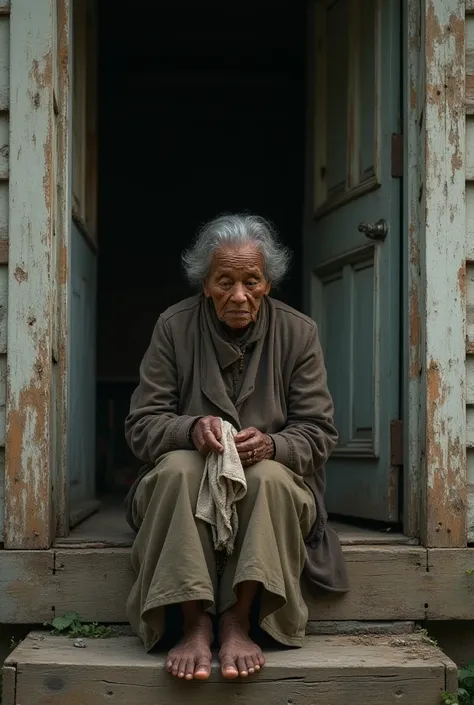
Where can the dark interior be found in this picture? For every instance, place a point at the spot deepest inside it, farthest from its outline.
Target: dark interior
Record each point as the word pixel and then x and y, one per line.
pixel 201 111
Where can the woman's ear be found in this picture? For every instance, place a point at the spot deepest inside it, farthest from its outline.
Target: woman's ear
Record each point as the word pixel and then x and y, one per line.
pixel 268 288
pixel 205 288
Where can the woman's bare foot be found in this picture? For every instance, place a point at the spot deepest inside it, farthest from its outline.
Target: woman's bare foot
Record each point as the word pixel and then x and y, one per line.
pixel 239 655
pixel 191 658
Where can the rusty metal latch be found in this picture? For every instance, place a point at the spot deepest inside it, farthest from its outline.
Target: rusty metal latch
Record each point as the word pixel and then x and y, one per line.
pixel 374 231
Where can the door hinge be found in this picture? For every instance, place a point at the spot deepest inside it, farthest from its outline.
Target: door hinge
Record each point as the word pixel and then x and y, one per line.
pixel 397 156
pixel 396 443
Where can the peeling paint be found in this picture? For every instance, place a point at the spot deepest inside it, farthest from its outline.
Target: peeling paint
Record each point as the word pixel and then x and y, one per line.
pixel 444 275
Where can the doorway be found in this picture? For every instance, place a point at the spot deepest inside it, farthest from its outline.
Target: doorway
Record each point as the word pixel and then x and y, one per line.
pixel 204 108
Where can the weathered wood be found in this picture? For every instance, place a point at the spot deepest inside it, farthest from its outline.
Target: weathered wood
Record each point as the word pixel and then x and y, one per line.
pixel 2 490
pixel 373 585
pixel 62 278
pixel 470 481
pixel 4 61
pixel 108 528
pixel 443 485
pixel 412 292
pixel 450 585
pixel 84 574
pixel 3 211
pixel 387 583
pixel 334 670
pixel 28 474
pixel 8 685
pixel 469 6
pixel 27 587
pixel 4 140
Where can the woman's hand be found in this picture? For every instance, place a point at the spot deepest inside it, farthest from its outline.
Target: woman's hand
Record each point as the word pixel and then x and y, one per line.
pixel 206 435
pixel 253 445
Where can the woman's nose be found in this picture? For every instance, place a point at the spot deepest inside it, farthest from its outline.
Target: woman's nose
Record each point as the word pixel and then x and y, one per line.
pixel 238 295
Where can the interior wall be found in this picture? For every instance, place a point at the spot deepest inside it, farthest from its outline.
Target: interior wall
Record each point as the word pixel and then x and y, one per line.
pixel 201 112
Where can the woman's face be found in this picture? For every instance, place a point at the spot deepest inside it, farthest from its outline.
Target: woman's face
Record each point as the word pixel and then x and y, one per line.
pixel 236 285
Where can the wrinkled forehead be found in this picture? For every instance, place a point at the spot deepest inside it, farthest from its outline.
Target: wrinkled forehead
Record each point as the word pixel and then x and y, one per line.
pixel 243 259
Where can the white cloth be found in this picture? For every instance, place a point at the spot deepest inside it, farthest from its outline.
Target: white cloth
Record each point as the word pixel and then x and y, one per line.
pixel 223 484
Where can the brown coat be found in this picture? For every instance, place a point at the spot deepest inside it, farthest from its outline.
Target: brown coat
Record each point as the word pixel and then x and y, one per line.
pixel 283 393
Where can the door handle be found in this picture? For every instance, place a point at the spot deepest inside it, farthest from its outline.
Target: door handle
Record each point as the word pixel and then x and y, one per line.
pixel 374 231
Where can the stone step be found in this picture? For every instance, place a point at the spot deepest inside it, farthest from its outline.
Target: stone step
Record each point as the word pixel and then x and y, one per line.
pixel 334 670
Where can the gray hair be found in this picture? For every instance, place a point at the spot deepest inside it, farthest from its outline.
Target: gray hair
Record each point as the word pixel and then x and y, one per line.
pixel 232 231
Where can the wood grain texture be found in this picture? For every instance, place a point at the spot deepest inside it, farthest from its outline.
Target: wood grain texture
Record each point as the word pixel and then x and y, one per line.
pixel 412 291
pixel 28 481
pixel 327 669
pixel 108 528
pixel 62 273
pixel 27 587
pixel 443 483
pixel 4 61
pixel 373 584
pixel 470 479
pixel 4 140
pixel 386 583
pixel 8 685
pixel 450 585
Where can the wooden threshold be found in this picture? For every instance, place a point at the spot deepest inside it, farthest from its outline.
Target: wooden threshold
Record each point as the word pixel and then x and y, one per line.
pixel 108 528
pixel 335 670
pixel 386 583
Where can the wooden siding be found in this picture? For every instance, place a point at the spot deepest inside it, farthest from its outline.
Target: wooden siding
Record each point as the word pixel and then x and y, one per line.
pixel 29 437
pixel 470 266
pixel 4 168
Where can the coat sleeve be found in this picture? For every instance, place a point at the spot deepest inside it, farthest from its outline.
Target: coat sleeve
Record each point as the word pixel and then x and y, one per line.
pixel 153 426
pixel 309 436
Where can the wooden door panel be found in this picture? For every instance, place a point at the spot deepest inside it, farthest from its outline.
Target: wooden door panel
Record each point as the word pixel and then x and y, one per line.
pixel 354 280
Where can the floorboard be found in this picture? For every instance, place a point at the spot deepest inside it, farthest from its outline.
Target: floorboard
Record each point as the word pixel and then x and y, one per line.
pixel 108 528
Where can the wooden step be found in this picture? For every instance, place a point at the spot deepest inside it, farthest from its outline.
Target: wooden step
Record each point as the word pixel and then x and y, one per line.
pixel 334 670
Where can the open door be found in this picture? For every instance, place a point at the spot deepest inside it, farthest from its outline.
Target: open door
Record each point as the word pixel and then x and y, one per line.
pixel 82 285
pixel 352 243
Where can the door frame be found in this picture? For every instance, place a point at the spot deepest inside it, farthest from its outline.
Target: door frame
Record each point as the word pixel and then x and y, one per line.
pixel 433 285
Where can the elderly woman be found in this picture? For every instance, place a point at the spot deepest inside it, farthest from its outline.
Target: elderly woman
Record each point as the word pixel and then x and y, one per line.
pixel 231 353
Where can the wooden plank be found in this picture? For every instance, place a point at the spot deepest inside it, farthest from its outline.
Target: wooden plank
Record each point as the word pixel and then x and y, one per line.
pixel 4 140
pixel 470 480
pixel 412 291
pixel 84 574
pixel 27 587
pixel 443 484
pixel 28 481
pixel 469 6
pixel 108 528
pixel 4 62
pixel 373 585
pixel 8 685
pixel 63 274
pixel 469 65
pixel 4 211
pixel 386 583
pixel 2 490
pixel 450 585
pixel 334 670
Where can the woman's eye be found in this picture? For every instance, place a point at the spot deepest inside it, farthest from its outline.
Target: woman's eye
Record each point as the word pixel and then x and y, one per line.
pixel 226 283
pixel 252 283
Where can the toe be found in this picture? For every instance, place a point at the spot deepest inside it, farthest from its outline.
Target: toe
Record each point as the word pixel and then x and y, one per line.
pixel 175 666
pixel 261 659
pixel 229 669
pixel 242 667
pixel 202 670
pixel 189 670
pixel 182 667
pixel 250 664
